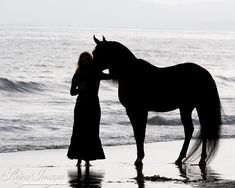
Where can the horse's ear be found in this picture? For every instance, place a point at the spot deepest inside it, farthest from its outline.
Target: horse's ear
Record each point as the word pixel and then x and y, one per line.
pixel 104 40
pixel 96 40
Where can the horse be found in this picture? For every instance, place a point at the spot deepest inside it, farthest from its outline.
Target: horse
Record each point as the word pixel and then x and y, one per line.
pixel 143 87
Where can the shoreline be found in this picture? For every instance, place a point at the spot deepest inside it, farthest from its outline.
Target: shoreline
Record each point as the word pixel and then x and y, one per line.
pixel 43 168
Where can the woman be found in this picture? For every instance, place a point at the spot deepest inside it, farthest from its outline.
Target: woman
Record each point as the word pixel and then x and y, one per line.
pixel 85 143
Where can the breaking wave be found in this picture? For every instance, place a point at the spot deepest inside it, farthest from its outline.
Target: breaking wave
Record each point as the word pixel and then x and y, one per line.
pixel 20 86
pixel 159 120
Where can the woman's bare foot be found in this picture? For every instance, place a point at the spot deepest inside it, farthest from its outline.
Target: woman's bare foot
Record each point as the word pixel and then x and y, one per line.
pixel 79 163
pixel 87 164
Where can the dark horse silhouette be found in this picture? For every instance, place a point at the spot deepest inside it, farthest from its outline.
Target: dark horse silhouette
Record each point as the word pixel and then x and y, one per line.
pixel 143 87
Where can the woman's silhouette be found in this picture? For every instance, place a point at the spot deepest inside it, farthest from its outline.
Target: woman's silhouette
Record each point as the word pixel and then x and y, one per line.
pixel 85 143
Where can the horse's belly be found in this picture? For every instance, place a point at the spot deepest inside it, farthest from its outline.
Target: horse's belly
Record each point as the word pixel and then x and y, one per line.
pixel 161 106
pixel 163 98
pixel 149 103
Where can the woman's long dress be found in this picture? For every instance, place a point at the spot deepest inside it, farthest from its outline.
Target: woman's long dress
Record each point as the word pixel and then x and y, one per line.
pixel 85 143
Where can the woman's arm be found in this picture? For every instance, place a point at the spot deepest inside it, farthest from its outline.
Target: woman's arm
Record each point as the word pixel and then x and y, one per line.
pixel 74 85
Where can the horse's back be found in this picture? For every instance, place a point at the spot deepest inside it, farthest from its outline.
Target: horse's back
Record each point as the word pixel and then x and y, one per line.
pixel 180 75
pixel 183 68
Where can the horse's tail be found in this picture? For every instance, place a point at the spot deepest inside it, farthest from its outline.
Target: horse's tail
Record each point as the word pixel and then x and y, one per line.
pixel 209 112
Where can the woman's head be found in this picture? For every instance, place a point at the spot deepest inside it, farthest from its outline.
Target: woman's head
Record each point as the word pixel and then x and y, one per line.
pixel 84 60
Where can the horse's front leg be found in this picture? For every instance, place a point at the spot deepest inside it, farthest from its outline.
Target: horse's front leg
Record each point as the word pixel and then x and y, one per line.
pixel 138 120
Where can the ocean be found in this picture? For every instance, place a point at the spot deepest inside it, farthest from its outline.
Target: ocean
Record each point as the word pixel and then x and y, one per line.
pixel 37 64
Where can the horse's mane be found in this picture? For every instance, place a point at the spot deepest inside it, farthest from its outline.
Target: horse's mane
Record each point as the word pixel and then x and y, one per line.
pixel 120 49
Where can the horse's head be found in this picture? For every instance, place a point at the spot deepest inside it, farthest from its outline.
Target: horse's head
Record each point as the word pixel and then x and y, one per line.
pixel 111 55
pixel 100 54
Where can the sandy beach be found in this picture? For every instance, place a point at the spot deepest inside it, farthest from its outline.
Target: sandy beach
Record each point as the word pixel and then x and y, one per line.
pixel 51 168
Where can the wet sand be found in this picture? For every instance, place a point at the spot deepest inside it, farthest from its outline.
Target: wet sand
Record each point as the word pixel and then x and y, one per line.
pixel 51 168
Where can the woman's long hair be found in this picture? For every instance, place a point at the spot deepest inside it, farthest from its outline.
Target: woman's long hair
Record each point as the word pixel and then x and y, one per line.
pixel 84 61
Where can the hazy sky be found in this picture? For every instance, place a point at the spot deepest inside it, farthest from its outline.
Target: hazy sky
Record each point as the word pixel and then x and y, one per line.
pixel 164 14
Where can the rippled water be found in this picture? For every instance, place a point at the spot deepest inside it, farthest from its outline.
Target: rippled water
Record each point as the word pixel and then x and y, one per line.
pixel 37 64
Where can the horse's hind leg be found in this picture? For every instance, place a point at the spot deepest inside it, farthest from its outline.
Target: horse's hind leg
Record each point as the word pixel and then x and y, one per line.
pixel 186 118
pixel 202 162
pixel 138 120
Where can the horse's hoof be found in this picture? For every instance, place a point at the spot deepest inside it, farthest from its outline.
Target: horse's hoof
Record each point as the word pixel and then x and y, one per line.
pixel 178 162
pixel 138 164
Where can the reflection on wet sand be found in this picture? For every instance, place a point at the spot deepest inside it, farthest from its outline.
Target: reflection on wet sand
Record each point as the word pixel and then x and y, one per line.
pixel 140 178
pixel 196 173
pixel 85 178
pixel 189 174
